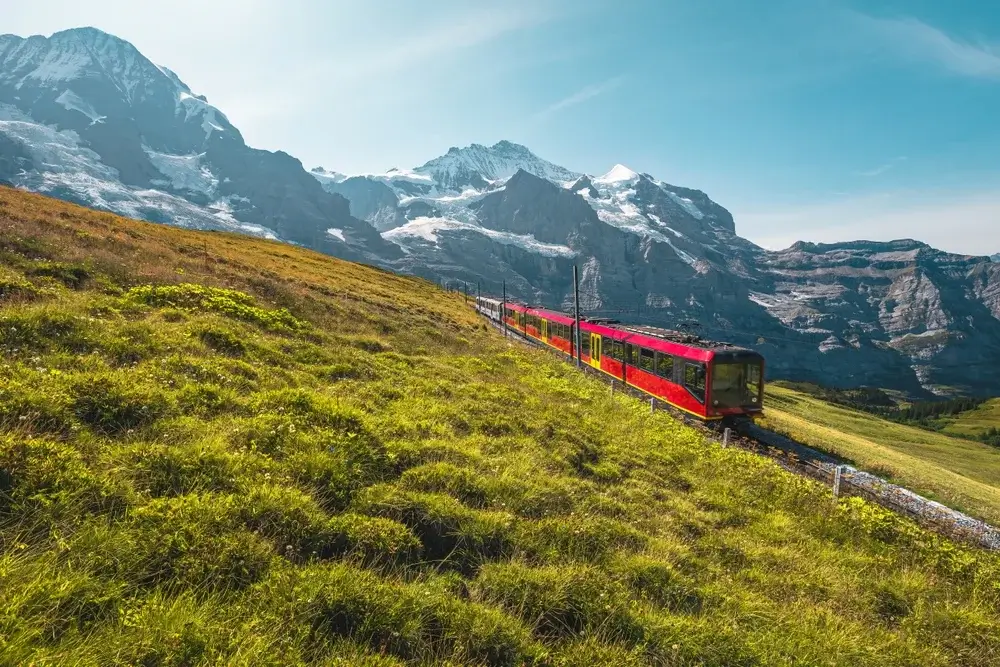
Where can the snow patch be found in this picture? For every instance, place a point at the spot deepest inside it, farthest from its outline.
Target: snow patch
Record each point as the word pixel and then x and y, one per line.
pixel 657 220
pixel 403 175
pixel 185 172
pixel 328 176
pixel 195 106
pixel 59 65
pixel 258 230
pixel 337 233
pixel 73 102
pixel 686 204
pixel 427 229
pixel 618 174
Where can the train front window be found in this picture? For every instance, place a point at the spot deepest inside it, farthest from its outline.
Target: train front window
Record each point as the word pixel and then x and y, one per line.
pixel 736 385
pixel 694 380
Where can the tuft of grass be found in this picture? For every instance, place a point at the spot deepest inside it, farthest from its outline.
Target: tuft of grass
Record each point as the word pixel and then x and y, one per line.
pixel 287 459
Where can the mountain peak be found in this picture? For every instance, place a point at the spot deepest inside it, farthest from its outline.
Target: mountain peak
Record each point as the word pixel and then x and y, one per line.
pixel 618 174
pixel 86 32
pixel 477 163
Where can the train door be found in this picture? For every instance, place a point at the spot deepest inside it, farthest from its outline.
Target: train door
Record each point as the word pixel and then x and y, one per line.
pixel 595 350
pixel 545 330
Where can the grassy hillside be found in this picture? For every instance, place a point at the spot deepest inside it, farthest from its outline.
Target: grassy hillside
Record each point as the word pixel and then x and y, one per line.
pixel 220 450
pixel 959 472
pixel 974 423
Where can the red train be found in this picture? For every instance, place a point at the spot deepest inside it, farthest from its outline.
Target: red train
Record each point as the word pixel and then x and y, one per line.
pixel 709 380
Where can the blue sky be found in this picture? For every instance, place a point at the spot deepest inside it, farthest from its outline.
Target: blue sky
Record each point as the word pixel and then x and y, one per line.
pixel 821 120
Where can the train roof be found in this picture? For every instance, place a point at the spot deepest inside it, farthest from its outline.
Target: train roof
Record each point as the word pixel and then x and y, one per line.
pixel 665 340
pixel 683 338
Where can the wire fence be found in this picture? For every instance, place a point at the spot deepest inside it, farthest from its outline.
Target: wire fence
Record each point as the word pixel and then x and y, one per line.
pixel 843 479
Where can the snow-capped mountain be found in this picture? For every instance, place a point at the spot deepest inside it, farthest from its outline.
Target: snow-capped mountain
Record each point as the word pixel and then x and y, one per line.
pixel 890 314
pixel 85 116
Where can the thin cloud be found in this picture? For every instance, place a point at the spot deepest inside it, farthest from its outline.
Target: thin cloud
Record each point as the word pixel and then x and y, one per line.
pixel 458 34
pixel 580 96
pixel 917 41
pixel 881 169
pixel 352 71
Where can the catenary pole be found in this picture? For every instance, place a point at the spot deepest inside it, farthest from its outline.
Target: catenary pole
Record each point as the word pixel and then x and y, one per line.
pixel 503 309
pixel 576 315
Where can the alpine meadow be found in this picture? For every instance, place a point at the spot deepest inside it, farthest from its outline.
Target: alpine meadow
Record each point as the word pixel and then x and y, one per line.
pixel 216 449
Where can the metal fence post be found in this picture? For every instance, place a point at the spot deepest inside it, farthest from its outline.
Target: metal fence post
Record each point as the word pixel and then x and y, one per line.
pixel 652 405
pixel 836 482
pixel 725 437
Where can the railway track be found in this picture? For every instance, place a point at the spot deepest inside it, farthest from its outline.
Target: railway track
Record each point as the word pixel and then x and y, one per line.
pixel 804 460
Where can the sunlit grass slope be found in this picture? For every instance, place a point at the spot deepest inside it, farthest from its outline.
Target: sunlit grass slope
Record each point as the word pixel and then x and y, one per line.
pixel 961 473
pixel 974 423
pixel 220 450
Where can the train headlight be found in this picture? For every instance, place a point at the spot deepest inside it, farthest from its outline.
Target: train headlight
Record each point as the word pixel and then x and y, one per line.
pixel 753 400
pixel 715 403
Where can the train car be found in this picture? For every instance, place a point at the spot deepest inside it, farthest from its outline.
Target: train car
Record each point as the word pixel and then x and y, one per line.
pixel 706 379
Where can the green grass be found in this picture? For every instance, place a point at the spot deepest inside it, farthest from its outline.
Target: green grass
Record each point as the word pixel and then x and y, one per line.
pixel 973 423
pixel 266 456
pixel 959 472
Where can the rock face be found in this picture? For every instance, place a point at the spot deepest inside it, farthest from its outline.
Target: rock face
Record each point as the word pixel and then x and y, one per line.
pixel 85 117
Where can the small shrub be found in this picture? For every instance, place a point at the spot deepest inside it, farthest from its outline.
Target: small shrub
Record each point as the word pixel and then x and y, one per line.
pixel 462 483
pixel 890 605
pixel 14 289
pixel 40 331
pixel 193 541
pixel 274 435
pixel 42 480
pixel 654 579
pixel 371 539
pixel 34 409
pixel 70 275
pixel 330 478
pixel 173 470
pixel 206 400
pixel 112 408
pixel 230 303
pixel 579 537
pixel 415 622
pixel 222 341
pixel 449 531
pixel 346 371
pixel 372 345
pixel 560 601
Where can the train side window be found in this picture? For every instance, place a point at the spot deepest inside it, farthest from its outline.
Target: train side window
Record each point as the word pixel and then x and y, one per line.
pixel 694 380
pixel 617 350
pixel 665 365
pixel 646 358
pixel 584 343
pixel 632 354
